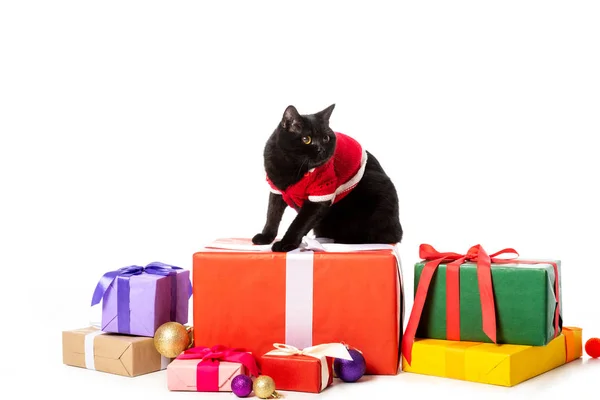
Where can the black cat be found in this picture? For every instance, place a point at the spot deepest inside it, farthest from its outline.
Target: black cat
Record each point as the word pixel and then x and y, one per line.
pixel 339 190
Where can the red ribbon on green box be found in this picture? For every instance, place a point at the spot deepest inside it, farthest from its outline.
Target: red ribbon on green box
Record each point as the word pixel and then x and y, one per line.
pixel 486 290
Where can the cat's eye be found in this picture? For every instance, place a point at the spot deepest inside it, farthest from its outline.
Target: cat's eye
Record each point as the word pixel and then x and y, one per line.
pixel 326 139
pixel 306 139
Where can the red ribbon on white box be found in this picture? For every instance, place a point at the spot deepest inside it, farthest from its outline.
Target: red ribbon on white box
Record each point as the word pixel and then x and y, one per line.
pixel 299 280
pixel 320 352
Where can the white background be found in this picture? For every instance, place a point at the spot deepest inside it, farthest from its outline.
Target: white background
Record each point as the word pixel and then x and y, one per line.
pixel 132 131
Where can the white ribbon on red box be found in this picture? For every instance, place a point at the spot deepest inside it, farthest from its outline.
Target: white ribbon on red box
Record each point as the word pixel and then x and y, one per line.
pixel 320 352
pixel 299 279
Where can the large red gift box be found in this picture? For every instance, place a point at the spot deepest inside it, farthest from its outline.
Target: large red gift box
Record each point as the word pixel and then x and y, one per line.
pixel 247 296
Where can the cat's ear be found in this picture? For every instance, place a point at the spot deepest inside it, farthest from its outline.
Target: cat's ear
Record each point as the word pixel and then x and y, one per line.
pixel 326 113
pixel 292 122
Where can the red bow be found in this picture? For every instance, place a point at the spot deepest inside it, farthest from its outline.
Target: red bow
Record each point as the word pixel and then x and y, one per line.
pixel 486 291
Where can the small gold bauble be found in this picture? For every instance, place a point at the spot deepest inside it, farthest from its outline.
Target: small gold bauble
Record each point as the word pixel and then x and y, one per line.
pixel 264 387
pixel 171 338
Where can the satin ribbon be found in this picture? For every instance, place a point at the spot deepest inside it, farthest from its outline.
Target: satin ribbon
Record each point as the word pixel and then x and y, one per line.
pixel 299 280
pixel 88 348
pixel 320 352
pixel 207 371
pixel 486 291
pixel 122 275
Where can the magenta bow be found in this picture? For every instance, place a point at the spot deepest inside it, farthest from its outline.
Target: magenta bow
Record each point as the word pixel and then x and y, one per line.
pixel 207 372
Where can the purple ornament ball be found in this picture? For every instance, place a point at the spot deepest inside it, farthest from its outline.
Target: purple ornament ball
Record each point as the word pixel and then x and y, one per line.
pixel 241 385
pixel 350 371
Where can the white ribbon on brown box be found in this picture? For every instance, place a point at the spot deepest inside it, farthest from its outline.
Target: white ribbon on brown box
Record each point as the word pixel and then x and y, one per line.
pixel 89 351
pixel 89 348
pixel 320 352
pixel 299 280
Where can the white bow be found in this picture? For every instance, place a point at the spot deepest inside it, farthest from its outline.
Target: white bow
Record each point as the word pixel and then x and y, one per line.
pixel 335 350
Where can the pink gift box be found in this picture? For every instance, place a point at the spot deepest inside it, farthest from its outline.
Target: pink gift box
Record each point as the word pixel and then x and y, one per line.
pixel 202 369
pixel 182 375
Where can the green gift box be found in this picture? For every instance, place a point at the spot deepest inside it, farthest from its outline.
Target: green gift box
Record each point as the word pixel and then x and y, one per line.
pixel 525 303
pixel 478 297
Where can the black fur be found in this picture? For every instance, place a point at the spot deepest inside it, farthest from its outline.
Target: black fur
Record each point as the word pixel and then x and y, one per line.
pixel 368 214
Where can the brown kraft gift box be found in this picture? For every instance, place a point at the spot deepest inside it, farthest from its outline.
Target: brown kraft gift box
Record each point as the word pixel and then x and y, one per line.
pixel 112 353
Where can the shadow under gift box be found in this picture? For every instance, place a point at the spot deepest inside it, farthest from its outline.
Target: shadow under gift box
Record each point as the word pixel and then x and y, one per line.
pixel 112 353
pixel 502 365
pixel 254 299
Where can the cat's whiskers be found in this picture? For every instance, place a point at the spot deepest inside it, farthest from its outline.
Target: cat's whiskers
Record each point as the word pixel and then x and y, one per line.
pixel 300 169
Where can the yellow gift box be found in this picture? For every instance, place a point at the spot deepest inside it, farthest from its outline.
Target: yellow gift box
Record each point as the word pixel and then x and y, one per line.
pixel 495 364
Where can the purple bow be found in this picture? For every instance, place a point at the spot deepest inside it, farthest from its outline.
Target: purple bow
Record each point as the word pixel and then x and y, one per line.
pixel 122 275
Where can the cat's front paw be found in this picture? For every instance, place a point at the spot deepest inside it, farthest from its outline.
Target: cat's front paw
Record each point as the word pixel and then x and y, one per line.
pixel 284 247
pixel 261 239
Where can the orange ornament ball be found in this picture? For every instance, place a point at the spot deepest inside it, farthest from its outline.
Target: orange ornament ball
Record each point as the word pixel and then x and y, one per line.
pixel 592 347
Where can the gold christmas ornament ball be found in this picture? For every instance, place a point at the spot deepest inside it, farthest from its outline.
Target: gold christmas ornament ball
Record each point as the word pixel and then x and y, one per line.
pixel 172 338
pixel 264 387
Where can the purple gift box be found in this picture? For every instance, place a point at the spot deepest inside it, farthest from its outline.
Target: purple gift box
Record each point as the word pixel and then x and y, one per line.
pixel 137 300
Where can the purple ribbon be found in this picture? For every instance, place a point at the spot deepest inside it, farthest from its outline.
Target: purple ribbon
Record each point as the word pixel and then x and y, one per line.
pixel 122 276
